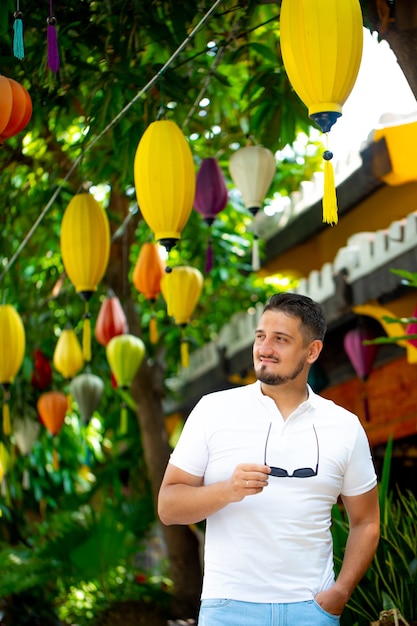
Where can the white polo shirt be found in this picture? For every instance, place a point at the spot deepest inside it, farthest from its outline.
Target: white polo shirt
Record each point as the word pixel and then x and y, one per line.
pixel 275 546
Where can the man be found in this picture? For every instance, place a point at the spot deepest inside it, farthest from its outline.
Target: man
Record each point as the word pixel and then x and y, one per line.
pixel 264 464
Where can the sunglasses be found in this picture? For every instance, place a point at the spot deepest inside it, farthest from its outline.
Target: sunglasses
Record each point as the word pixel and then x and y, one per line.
pixel 302 472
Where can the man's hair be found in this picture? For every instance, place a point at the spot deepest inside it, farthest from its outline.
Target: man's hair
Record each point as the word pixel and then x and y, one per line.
pixel 311 314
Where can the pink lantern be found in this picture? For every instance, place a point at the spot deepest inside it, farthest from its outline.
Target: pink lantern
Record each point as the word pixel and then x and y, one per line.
pixel 111 320
pixel 362 356
pixel 211 197
pixel 412 330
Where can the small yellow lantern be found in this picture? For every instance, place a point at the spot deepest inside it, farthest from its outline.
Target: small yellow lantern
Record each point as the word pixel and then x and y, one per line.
pixel 125 354
pixel 68 356
pixel 85 249
pixel 181 288
pixel 12 350
pixel 165 180
pixel 321 44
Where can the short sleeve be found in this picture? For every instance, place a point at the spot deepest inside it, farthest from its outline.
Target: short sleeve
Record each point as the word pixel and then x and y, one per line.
pixel 191 452
pixel 360 475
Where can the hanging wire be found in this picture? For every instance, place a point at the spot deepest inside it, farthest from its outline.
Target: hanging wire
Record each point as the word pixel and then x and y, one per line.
pixel 109 126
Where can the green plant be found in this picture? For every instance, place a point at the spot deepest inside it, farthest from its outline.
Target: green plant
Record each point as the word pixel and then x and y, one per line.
pixel 391 580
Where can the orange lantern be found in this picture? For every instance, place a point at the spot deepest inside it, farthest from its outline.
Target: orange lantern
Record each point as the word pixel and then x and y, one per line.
pixel 111 320
pixel 12 350
pixel 181 288
pixel 85 249
pixel 16 108
pixel 52 408
pixel 125 354
pixel 147 276
pixel 165 180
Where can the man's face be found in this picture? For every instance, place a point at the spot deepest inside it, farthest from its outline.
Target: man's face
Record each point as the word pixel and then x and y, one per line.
pixel 280 352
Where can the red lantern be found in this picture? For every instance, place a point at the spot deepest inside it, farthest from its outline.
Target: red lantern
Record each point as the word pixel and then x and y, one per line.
pixel 147 275
pixel 111 320
pixel 41 376
pixel 16 108
pixel 362 357
pixel 210 197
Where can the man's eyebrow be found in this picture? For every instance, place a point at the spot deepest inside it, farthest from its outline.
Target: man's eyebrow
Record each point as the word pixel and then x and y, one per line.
pixel 276 332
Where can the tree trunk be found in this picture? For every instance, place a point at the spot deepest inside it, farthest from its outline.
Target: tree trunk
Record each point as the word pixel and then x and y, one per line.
pixel 147 390
pixel 398 26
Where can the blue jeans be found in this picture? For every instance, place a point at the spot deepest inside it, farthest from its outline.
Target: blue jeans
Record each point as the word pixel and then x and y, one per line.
pixel 222 612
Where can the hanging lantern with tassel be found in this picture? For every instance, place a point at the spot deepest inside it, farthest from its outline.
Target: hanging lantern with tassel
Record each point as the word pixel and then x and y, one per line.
pixel 147 276
pixel 111 320
pixel 211 197
pixel 41 376
pixel 125 354
pixel 87 390
pixel 52 409
pixel 252 170
pixel 26 431
pixel 164 180
pixel 181 288
pixel 68 356
pixel 85 249
pixel 16 108
pixel 321 45
pixel 12 350
pixel 362 356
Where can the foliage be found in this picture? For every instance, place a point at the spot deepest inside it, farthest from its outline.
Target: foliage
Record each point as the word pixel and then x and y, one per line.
pixel 391 580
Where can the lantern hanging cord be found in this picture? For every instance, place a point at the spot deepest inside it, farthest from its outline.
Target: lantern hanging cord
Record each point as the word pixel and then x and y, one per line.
pixel 105 130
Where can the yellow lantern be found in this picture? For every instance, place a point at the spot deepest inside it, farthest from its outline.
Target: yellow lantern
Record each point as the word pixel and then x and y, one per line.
pixel 165 180
pixel 68 356
pixel 125 354
pixel 12 350
pixel 321 44
pixel 85 249
pixel 181 288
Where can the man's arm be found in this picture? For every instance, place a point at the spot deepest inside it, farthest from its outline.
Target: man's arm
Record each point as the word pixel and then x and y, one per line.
pixel 184 499
pixel 364 523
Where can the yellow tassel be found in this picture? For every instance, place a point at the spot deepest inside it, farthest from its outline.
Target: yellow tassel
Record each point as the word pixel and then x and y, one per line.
pixel 123 420
pixel 185 360
pixel 55 460
pixel 153 330
pixel 329 193
pixel 87 338
pixel 6 419
pixel 69 403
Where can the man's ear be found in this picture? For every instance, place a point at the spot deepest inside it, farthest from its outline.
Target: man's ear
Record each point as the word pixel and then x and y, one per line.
pixel 314 350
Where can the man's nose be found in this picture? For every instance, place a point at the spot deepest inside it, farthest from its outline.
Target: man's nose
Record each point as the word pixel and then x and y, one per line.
pixel 267 347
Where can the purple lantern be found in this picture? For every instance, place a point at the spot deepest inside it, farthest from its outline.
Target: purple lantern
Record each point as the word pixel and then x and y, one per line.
pixel 362 356
pixel 210 196
pixel 412 330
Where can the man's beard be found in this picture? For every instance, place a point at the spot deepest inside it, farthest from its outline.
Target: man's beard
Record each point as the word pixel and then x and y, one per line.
pixel 268 378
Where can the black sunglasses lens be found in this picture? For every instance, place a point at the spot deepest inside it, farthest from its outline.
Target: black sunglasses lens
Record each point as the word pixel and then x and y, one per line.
pixel 278 471
pixel 304 472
